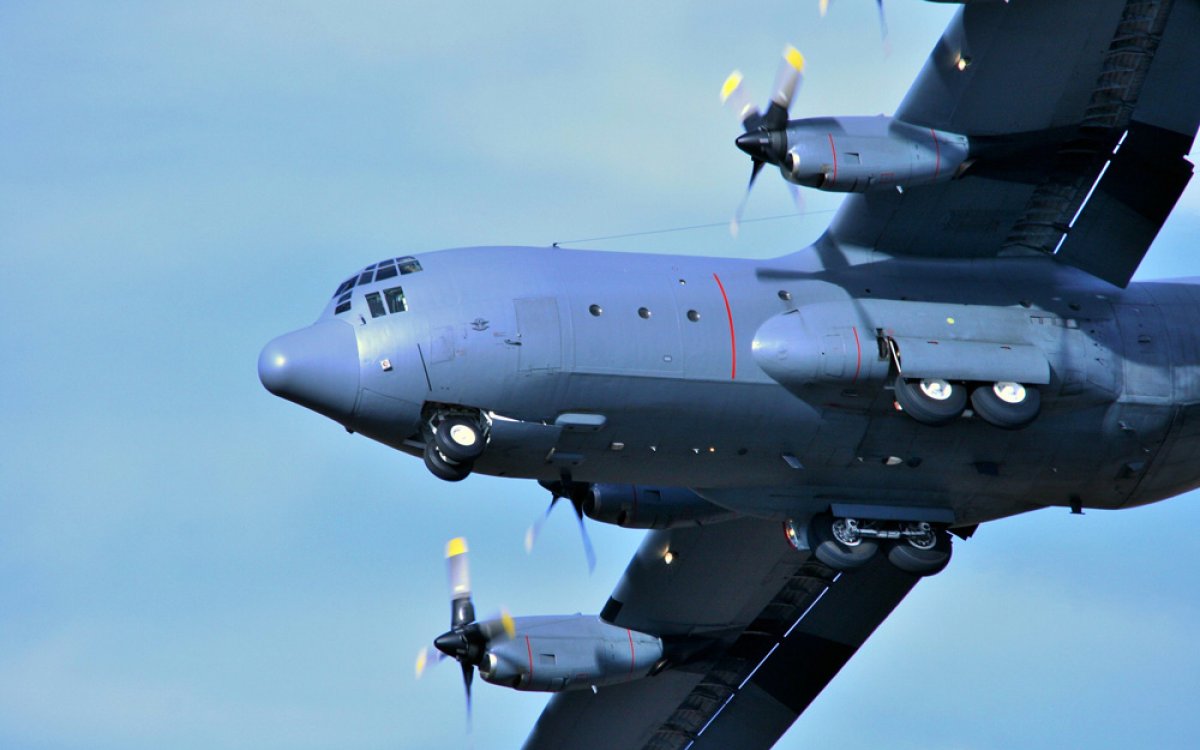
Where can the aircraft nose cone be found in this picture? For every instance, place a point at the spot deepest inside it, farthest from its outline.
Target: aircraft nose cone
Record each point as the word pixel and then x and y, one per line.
pixel 316 367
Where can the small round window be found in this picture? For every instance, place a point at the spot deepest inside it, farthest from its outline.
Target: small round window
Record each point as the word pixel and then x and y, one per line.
pixel 693 315
pixel 644 312
pixel 595 310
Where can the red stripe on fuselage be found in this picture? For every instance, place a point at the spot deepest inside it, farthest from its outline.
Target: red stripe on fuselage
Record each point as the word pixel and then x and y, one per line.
pixel 857 355
pixel 732 336
pixel 529 650
pixel 833 148
pixel 631 657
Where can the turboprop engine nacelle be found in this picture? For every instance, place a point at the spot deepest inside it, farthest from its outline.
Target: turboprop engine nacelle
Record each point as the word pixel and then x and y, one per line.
pixel 635 507
pixel 552 654
pixel 826 343
pixel 859 154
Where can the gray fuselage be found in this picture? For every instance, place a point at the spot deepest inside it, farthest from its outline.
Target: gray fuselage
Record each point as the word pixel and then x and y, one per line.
pixel 666 349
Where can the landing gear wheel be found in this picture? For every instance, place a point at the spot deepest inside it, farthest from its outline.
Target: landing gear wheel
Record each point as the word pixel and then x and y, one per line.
pixel 837 543
pixel 459 439
pixel 931 401
pixel 443 469
pixel 923 555
pixel 1006 404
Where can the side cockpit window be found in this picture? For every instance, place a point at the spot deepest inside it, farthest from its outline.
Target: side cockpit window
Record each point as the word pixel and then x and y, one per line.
pixel 395 299
pixel 375 304
pixel 345 286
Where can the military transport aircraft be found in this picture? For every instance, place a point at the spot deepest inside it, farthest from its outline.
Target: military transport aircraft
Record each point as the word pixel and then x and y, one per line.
pixel 804 436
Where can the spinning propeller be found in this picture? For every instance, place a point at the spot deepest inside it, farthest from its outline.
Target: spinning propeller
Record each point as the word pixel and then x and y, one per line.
pixel 765 136
pixel 883 27
pixel 467 640
pixel 577 493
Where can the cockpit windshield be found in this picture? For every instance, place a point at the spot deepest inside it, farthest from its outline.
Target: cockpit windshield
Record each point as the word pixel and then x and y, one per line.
pixel 384 269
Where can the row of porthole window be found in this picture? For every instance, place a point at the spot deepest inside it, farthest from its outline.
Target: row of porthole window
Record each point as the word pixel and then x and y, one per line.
pixel 643 312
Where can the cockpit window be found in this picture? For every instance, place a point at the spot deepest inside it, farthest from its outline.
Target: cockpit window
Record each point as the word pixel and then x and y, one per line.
pixel 395 299
pixel 384 269
pixel 376 305
pixel 342 307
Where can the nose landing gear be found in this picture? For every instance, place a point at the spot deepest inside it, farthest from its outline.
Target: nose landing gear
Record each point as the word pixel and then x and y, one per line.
pixel 452 444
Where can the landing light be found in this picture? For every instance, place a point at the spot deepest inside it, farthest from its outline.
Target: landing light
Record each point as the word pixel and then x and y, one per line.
pixel 668 557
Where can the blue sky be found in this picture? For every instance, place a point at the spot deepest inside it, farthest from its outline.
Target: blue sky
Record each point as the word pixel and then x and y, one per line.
pixel 187 561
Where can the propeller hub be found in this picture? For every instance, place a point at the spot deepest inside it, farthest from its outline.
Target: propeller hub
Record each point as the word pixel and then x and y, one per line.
pixel 768 146
pixel 453 643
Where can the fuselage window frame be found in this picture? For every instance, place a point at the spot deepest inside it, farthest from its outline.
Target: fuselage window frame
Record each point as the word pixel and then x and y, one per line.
pixel 375 305
pixel 395 299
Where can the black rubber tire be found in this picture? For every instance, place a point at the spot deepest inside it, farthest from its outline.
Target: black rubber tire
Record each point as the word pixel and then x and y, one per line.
pixel 826 548
pixel 441 468
pixel 459 439
pixel 921 562
pixel 994 411
pixel 925 409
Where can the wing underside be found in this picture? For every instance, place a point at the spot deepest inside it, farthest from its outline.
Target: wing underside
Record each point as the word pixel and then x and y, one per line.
pixel 758 630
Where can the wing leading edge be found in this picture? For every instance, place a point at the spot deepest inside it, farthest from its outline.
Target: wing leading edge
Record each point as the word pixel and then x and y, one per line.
pixel 1080 114
pixel 755 630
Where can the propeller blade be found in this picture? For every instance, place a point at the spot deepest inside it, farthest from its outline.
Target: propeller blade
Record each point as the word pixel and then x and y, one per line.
pixel 458 575
pixel 789 77
pixel 588 552
pixel 502 623
pixel 531 534
pixel 468 673
pixel 797 197
pixel 824 7
pixel 427 658
pixel 736 223
pixel 734 96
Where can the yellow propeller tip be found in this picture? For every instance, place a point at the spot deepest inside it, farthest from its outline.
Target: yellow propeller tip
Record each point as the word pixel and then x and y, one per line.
pixel 794 58
pixel 510 626
pixel 456 546
pixel 420 665
pixel 824 7
pixel 731 83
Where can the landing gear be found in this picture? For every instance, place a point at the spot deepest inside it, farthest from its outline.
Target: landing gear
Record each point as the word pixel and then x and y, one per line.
pixel 839 542
pixel 459 439
pixel 922 551
pixel 453 442
pixel 931 401
pixel 442 468
pixel 1006 404
pixel 916 547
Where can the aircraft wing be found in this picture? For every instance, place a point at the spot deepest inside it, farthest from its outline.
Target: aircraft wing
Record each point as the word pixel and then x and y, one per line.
pixel 1079 114
pixel 754 630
